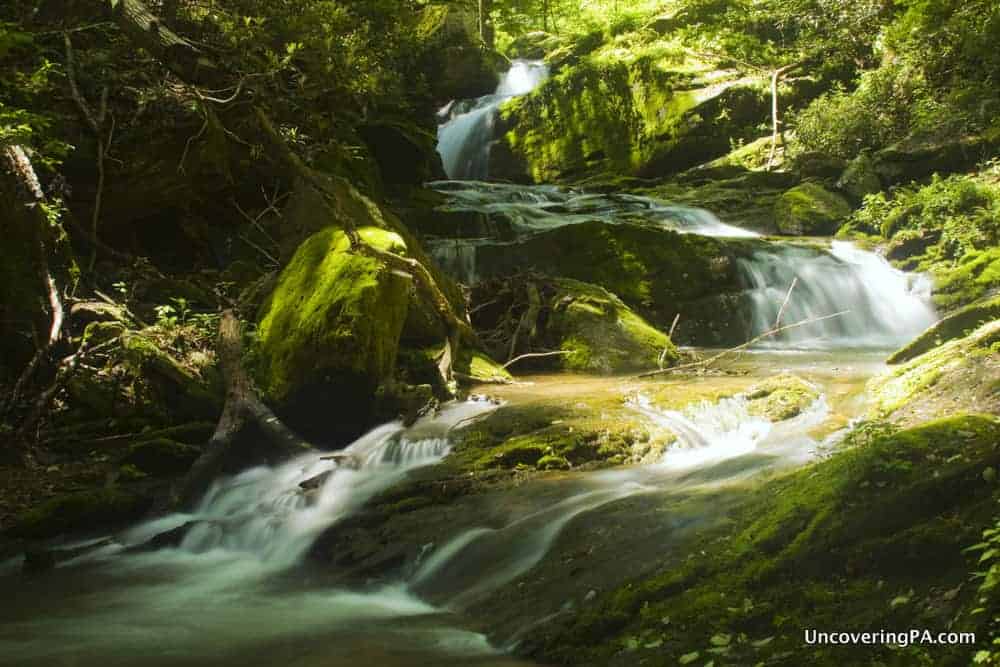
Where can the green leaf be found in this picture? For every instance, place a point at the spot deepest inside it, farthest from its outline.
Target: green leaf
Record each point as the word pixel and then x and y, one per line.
pixel 688 658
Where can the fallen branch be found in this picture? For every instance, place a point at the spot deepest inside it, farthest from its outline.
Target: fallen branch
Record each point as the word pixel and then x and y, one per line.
pixel 531 355
pixel 243 408
pixel 756 339
pixel 17 166
pixel 784 304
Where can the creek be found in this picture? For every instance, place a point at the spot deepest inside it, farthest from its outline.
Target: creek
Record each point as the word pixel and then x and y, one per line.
pixel 239 587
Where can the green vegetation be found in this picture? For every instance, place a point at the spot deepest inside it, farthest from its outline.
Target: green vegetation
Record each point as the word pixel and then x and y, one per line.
pixel 847 543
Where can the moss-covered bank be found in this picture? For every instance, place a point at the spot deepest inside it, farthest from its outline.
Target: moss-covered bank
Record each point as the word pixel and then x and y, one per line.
pixel 872 538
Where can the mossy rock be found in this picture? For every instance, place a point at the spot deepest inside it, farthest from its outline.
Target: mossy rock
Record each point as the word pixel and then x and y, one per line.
pixel 810 210
pixel 872 536
pixel 602 334
pixel 477 366
pixel 79 512
pixel 781 397
pixel 860 179
pixel 655 272
pixel 646 115
pixel 956 325
pixel 184 394
pixel 161 457
pixel 974 276
pixel 961 371
pixel 328 334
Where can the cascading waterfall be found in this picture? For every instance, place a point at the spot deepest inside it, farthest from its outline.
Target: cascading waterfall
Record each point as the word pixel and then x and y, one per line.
pixel 467 126
pixel 881 307
pixel 276 513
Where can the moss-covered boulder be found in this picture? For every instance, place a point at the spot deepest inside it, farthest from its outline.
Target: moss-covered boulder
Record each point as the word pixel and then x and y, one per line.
pixel 810 210
pixel 585 327
pixel 83 511
pixel 329 333
pixel 639 114
pixel 656 272
pixel 860 178
pixel 601 333
pixel 963 371
pixel 956 325
pixel 453 51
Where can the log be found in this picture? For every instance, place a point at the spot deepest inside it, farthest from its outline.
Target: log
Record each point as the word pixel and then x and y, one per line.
pixel 243 408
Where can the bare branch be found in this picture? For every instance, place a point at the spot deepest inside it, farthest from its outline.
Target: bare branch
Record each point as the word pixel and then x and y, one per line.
pixel 532 355
pixel 704 363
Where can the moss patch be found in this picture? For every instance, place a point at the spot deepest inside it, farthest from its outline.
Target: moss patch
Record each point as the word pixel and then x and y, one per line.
pixel 870 538
pixel 956 325
pixel 810 210
pixel 329 332
pixel 81 511
pixel 962 371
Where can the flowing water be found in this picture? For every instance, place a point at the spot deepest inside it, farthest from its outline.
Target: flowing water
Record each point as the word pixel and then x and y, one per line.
pixel 467 126
pixel 238 588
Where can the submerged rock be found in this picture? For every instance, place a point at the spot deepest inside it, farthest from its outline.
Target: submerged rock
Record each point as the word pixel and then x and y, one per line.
pixel 781 397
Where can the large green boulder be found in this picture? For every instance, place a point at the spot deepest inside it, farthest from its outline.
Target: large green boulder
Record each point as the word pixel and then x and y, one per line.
pixel 453 52
pixel 656 272
pixel 810 210
pixel 641 116
pixel 594 331
pixel 329 333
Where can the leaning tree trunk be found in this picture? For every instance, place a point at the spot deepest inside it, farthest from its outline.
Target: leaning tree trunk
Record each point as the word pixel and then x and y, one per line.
pixel 243 409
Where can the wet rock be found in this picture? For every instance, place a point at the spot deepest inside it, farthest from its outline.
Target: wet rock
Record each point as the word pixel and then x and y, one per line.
pixel 810 210
pixel 82 511
pixel 918 158
pixel 956 325
pixel 860 179
pixel 315 482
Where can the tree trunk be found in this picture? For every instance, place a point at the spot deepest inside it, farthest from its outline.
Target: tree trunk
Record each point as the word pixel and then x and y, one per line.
pixel 242 409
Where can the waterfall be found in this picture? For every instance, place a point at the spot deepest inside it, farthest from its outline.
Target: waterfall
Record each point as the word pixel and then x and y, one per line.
pixel 276 513
pixel 707 432
pixel 467 127
pixel 883 307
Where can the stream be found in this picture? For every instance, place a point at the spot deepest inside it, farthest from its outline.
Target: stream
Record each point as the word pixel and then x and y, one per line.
pixel 238 588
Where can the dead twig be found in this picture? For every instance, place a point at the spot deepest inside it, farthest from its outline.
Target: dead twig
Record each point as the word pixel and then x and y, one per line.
pixel 704 363
pixel 531 355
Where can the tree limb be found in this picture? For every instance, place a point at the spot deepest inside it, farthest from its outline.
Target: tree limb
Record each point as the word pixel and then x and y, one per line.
pixel 756 339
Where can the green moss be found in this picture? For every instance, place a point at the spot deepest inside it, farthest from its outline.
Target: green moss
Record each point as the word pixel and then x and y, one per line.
pixel 958 324
pixel 810 210
pixel 602 333
pixel 331 328
pixel 960 358
pixel 80 511
pixel 624 112
pixel 161 456
pixel 972 277
pixel 478 367
pixel 869 538
pixel 781 397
